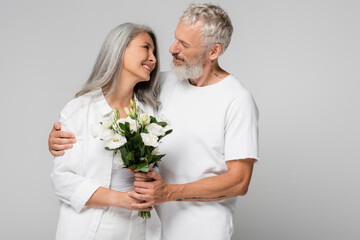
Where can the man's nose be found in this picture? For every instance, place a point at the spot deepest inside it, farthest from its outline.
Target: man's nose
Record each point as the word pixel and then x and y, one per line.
pixel 174 48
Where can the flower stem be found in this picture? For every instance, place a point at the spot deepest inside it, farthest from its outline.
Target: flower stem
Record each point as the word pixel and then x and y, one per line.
pixel 144 214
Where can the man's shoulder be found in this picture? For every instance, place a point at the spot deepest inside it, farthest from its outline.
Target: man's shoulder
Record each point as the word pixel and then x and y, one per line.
pixel 167 78
pixel 235 87
pixel 166 75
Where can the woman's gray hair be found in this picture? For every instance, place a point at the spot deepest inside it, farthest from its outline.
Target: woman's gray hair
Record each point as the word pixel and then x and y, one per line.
pixel 107 68
pixel 216 24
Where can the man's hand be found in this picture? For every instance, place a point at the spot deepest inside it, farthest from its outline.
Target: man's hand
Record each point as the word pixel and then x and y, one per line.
pixel 141 176
pixel 59 141
pixel 132 203
pixel 152 193
pixel 234 182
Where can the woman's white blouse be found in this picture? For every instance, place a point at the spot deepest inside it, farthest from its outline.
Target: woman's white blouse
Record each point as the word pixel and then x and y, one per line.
pixel 83 169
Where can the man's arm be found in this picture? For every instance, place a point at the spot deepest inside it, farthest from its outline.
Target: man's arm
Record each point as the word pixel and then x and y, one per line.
pixel 230 184
pixel 59 140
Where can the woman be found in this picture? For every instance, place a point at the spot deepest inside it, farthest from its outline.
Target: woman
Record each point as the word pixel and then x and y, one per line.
pixel 94 203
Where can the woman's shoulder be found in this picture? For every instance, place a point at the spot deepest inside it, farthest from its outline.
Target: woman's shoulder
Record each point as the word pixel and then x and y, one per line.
pixel 76 106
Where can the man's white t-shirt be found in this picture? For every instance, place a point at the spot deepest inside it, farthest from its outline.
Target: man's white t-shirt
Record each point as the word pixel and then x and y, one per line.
pixel 211 125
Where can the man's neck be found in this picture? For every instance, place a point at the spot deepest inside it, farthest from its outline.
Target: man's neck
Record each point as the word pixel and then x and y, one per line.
pixel 212 74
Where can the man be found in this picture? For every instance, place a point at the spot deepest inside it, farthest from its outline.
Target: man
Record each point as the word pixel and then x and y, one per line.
pixel 210 154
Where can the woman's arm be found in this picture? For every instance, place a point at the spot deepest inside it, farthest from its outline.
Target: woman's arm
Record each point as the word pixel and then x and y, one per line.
pixel 104 197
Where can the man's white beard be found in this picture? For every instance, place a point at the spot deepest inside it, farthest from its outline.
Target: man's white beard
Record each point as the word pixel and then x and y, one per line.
pixel 188 70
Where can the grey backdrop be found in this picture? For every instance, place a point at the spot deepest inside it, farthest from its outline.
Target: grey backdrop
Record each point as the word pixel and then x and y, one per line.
pixel 300 59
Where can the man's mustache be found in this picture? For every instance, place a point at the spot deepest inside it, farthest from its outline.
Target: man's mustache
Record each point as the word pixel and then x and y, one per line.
pixel 175 55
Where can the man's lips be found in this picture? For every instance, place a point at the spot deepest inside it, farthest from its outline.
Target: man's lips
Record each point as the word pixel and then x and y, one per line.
pixel 177 59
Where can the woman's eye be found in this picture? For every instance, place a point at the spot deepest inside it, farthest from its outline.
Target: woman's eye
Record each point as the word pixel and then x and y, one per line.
pixel 147 47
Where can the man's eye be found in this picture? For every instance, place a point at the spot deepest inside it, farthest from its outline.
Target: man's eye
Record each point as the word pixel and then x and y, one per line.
pixel 185 45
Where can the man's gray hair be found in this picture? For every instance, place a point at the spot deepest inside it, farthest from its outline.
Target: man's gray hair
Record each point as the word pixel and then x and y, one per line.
pixel 216 27
pixel 107 68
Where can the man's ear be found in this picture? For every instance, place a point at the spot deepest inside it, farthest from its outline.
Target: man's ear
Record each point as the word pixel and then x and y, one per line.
pixel 215 51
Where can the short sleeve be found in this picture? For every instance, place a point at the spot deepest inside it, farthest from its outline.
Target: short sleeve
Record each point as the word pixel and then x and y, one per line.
pixel 241 130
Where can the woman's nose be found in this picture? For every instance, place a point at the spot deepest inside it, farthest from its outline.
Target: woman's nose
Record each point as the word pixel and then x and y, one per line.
pixel 152 58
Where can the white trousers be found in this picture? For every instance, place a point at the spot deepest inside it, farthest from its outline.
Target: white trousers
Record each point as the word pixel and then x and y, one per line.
pixel 121 224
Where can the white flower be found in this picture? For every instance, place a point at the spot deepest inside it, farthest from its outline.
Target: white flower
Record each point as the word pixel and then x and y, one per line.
pixel 144 119
pixel 118 160
pixel 105 134
pixel 115 141
pixel 134 126
pixel 162 118
pixel 121 120
pixel 149 139
pixel 155 129
pixel 155 151
pixel 107 123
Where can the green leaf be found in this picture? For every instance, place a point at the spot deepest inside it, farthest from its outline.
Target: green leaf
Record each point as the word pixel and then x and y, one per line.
pixel 124 154
pixel 143 167
pixel 137 140
pixel 157 158
pixel 133 167
pixel 122 126
pixel 142 150
pixel 149 156
pixel 168 132
pixel 163 124
pixel 130 156
pixel 127 127
pixel 152 119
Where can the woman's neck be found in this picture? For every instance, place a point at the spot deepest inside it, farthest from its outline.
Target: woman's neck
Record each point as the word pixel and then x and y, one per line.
pixel 121 96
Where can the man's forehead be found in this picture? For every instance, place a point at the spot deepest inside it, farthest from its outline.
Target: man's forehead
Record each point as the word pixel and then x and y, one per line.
pixel 190 26
pixel 188 31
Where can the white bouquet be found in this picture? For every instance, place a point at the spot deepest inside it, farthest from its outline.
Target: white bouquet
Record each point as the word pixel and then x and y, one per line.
pixel 134 139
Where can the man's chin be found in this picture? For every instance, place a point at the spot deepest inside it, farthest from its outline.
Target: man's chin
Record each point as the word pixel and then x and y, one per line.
pixel 177 63
pixel 177 71
pixel 183 72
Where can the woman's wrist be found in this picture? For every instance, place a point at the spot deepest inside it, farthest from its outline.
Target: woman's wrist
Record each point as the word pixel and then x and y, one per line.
pixel 116 199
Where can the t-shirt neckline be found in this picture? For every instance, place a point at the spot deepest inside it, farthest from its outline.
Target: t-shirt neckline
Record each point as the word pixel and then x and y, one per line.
pixel 187 82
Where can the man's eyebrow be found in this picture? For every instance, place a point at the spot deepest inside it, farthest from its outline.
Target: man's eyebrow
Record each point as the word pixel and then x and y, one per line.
pixel 182 41
pixel 185 43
